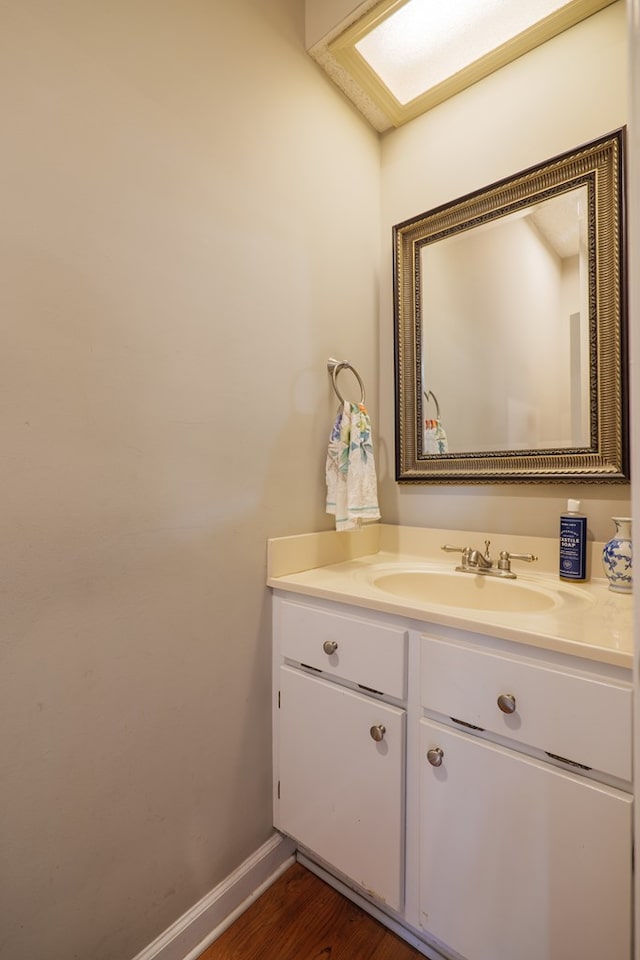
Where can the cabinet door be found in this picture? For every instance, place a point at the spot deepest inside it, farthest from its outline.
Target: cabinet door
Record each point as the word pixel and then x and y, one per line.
pixel 518 858
pixel 341 791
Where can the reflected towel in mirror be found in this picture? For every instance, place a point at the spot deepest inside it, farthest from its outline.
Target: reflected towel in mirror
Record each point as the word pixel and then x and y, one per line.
pixel 352 490
pixel 435 438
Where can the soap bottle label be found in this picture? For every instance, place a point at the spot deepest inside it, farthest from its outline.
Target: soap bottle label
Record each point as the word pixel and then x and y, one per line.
pixel 573 548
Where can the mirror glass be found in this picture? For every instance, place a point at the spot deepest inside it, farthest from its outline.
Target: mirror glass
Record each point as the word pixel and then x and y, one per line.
pixel 509 328
pixel 521 315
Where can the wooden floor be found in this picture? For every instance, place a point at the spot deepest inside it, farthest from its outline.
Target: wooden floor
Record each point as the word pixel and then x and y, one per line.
pixel 302 918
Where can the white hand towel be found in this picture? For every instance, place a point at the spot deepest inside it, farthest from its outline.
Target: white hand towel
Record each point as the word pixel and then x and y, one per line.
pixel 352 489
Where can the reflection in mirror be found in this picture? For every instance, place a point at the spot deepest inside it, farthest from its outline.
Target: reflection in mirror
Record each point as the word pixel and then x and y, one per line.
pixel 515 324
pixel 509 328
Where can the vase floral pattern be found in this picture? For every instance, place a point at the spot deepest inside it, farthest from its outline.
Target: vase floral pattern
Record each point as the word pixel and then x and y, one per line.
pixel 617 557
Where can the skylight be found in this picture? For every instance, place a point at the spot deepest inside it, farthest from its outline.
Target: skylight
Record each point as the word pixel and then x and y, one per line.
pixel 409 55
pixel 425 42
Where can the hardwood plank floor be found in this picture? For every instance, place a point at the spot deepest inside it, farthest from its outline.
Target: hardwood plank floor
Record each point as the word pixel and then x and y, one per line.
pixel 300 917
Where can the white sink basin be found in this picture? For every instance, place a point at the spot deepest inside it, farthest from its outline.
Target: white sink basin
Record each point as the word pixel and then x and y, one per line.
pixel 475 591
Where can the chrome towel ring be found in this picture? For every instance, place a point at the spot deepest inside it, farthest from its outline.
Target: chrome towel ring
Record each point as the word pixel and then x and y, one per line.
pixel 334 367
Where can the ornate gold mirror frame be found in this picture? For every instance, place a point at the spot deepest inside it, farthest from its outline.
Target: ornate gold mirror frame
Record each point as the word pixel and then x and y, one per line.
pixel 603 454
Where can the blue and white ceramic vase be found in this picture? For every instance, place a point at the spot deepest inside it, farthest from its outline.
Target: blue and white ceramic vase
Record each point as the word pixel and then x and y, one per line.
pixel 617 557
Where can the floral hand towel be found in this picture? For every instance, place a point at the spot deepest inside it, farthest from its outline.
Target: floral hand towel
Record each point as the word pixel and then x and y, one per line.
pixel 352 489
pixel 435 439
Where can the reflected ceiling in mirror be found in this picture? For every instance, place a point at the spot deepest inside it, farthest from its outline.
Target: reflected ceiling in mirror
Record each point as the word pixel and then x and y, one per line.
pixel 509 328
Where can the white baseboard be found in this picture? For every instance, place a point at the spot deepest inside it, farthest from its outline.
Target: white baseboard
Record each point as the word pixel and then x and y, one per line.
pixel 196 929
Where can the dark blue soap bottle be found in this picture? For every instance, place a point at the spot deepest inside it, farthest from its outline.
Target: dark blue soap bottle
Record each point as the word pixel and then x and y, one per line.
pixel 573 543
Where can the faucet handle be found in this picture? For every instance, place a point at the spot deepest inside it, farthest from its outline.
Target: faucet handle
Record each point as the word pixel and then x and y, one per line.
pixel 504 561
pixel 465 551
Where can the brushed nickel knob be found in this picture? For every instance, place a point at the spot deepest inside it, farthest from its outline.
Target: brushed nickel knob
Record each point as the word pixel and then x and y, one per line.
pixel 329 647
pixel 507 702
pixel 377 732
pixel 434 756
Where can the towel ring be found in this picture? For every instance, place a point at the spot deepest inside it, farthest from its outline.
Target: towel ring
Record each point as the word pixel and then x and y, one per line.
pixel 334 367
pixel 430 393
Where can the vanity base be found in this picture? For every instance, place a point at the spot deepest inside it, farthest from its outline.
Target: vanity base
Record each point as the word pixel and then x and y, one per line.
pixel 394 923
pixel 461 779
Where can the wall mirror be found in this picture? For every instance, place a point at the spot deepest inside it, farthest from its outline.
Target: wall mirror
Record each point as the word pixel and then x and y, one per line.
pixel 510 328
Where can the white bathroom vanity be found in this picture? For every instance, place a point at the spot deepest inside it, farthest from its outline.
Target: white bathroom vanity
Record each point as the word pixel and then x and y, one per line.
pixel 459 767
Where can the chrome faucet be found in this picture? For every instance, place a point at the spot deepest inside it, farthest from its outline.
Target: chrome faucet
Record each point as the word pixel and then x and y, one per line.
pixel 473 561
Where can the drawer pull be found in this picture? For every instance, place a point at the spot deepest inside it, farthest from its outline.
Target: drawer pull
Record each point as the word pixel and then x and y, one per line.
pixel 377 732
pixel 571 763
pixel 329 647
pixel 434 756
pixel 507 702
pixel 469 726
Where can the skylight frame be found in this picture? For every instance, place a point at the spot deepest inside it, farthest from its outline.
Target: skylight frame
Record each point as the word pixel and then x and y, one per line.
pixel 343 50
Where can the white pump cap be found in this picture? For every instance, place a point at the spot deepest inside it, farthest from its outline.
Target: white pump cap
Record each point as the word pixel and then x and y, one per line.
pixel 573 506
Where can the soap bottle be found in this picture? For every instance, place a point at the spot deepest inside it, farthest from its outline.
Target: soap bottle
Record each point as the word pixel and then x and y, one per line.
pixel 573 543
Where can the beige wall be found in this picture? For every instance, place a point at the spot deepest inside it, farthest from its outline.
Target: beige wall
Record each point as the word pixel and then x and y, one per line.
pixel 321 16
pixel 564 93
pixel 189 230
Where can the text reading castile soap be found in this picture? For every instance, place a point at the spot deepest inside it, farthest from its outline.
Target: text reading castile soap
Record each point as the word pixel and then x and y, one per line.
pixel 573 543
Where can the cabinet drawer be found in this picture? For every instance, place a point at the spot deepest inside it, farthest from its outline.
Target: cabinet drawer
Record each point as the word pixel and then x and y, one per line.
pixel 365 652
pixel 583 719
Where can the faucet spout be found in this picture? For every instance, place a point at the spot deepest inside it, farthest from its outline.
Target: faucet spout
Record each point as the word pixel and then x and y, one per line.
pixel 473 561
pixel 482 560
pixel 476 559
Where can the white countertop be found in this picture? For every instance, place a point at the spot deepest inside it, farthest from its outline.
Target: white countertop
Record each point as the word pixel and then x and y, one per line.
pixel 597 626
